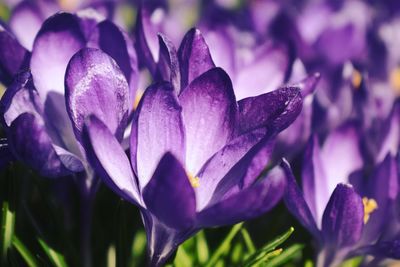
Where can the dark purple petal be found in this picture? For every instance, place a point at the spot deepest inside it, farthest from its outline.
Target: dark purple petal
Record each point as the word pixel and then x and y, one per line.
pixel 217 167
pixel 57 41
pixel 275 110
pixel 391 141
pixel 246 204
pixel 194 57
pixel 30 143
pixel 314 183
pixel 308 85
pixel 95 85
pixel 168 64
pixel 156 129
pixel 297 205
pixel 25 22
pixel 13 56
pixel 209 114
pixel 6 155
pixel 169 195
pixel 341 155
pixel 146 41
pixel 382 249
pixel 109 159
pixel 117 44
pixel 343 219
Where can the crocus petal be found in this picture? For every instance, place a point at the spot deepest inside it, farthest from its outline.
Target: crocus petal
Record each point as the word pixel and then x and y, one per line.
pixel 315 184
pixel 117 44
pixel 308 85
pixel 95 85
pixel 297 205
pixel 30 143
pixel 194 57
pixel 343 219
pixel 109 159
pixel 168 64
pixel 13 56
pixel 57 41
pixel 264 75
pixel 383 249
pixel 146 40
pixel 6 155
pixel 340 155
pixel 275 110
pixel 25 21
pixel 169 196
pixel 209 113
pixel 246 204
pixel 391 141
pixel 217 167
pixel 158 115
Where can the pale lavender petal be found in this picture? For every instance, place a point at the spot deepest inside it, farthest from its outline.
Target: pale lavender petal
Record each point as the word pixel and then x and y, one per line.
pixel 169 195
pixel 96 85
pixel 391 141
pixel 209 114
pixel 157 128
pixel 168 64
pixel 109 159
pixel 194 57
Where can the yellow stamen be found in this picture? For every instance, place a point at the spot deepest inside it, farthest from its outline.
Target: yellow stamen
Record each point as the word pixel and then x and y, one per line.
pixel 138 96
pixel 356 79
pixel 395 80
pixel 194 181
pixel 68 5
pixel 370 206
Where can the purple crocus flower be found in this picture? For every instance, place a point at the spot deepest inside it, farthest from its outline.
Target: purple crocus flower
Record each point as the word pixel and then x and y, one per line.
pixel 194 154
pixel 343 222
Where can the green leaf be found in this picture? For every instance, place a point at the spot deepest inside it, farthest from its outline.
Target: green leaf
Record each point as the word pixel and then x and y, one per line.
pixel 29 259
pixel 353 262
pixel 7 229
pixel 203 253
pixel 247 240
pixel 138 248
pixel 55 257
pixel 237 253
pixel 182 259
pixel 225 245
pixel 267 248
pixel 286 256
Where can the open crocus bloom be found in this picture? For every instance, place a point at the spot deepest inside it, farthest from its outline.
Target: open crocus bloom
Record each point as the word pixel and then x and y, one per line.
pixel 196 157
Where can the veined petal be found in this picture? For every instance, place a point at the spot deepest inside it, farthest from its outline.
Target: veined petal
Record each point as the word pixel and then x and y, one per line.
pixel 194 57
pixel 95 85
pixel 343 219
pixel 209 114
pixel 30 143
pixel 275 110
pixel 109 159
pixel 117 44
pixel 246 204
pixel 168 64
pixel 157 128
pixel 169 195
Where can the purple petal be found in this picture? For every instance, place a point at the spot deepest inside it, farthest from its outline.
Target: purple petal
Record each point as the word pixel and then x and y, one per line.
pixel 25 22
pixel 343 219
pixel 297 205
pixel 265 74
pixel 30 143
pixel 382 249
pixel 194 57
pixel 13 56
pixel 6 155
pixel 275 110
pixel 308 85
pixel 217 167
pixel 157 129
pixel 169 195
pixel 168 64
pixel 117 44
pixel 209 113
pixel 391 141
pixel 57 41
pixel 246 204
pixel 95 85
pixel 146 40
pixel 341 155
pixel 315 185
pixel 109 159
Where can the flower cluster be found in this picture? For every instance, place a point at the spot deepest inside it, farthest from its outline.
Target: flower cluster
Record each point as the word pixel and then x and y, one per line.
pixel 209 113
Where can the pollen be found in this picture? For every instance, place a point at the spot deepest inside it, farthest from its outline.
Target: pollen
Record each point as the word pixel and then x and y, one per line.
pixel 370 206
pixel 194 180
pixel 395 80
pixel 138 96
pixel 356 79
pixel 68 5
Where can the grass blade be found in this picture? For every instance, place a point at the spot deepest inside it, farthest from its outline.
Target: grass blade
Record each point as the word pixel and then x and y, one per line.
pixel 7 229
pixel 55 257
pixel 286 255
pixel 203 253
pixel 24 252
